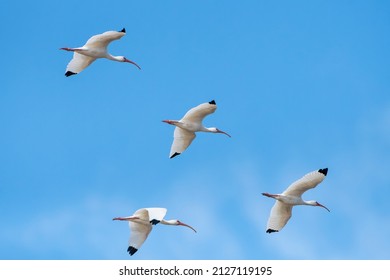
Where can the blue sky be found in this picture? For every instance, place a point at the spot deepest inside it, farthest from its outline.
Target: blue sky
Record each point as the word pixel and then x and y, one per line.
pixel 300 85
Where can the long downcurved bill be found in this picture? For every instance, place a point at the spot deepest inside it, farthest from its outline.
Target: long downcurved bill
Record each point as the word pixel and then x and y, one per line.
pixel 318 204
pixel 223 132
pixel 183 224
pixel 132 62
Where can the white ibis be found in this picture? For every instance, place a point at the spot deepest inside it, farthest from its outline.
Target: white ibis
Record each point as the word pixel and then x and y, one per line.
pixel 96 47
pixel 141 223
pixel 281 211
pixel 191 122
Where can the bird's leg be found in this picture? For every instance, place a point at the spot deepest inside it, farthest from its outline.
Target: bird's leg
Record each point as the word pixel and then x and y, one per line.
pixel 71 49
pixel 67 49
pixel 168 121
pixel 171 122
pixel 131 218
pixel 270 195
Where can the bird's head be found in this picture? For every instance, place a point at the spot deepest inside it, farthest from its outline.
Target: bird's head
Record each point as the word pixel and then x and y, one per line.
pixel 216 130
pixel 316 203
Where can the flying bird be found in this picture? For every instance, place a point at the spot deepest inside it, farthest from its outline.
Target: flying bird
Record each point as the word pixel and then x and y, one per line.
pixel 191 122
pixel 96 47
pixel 141 223
pixel 281 211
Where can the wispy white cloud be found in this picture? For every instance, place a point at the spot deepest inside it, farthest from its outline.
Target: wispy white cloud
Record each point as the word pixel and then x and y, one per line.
pixel 83 229
pixel 201 202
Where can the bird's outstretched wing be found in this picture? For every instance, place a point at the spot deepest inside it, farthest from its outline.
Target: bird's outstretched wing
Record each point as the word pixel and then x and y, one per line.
pixel 139 230
pixel 78 63
pixel 309 181
pixel 102 40
pixel 198 113
pixel 279 216
pixel 181 140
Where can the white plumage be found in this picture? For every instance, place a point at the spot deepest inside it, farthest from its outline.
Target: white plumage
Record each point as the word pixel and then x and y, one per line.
pixel 141 223
pixel 281 211
pixel 185 129
pixel 94 48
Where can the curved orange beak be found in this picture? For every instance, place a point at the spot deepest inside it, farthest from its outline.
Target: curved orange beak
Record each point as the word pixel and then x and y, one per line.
pixel 318 204
pixel 223 132
pixel 132 62
pixel 183 224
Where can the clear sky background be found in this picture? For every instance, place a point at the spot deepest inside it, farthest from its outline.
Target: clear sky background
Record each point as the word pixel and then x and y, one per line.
pixel 300 85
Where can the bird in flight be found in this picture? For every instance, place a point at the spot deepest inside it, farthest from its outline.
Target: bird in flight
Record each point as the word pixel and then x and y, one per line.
pixel 281 211
pixel 94 48
pixel 141 223
pixel 185 129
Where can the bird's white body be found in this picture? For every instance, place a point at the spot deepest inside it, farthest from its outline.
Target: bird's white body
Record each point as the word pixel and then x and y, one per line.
pixel 192 122
pixel 282 210
pixel 94 48
pixel 141 223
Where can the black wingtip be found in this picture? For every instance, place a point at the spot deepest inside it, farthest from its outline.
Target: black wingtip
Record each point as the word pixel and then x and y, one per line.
pixel 175 154
pixel 132 250
pixel 323 171
pixel 154 222
pixel 212 102
pixel 271 230
pixel 123 30
pixel 69 73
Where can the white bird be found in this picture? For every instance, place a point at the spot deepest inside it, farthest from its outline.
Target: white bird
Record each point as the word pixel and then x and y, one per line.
pixel 281 211
pixel 96 47
pixel 141 223
pixel 191 122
